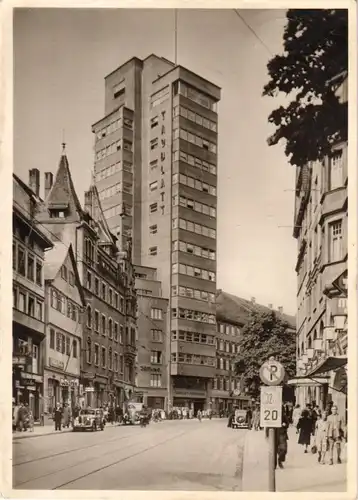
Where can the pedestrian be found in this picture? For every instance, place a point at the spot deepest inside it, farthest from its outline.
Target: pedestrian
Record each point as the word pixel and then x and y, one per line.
pixel 281 442
pixel 199 415
pixel 329 408
pixel 231 416
pixel 66 415
pixel 296 415
pixel 335 433
pixel 16 417
pixel 57 416
pixel 305 427
pixel 256 417
pixel 312 415
pixel 249 417
pixel 322 437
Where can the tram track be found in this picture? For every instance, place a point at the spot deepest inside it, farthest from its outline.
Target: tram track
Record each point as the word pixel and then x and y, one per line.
pixel 73 450
pixel 20 485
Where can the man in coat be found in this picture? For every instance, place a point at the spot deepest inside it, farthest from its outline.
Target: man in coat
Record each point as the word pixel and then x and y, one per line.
pixel 57 416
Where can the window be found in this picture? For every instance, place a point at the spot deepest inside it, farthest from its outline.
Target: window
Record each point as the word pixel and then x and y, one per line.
pixel 116 362
pixel 154 122
pixel 38 310
pixel 89 316
pixel 89 280
pixel 104 291
pixel 110 359
pixel 110 328
pixel 121 334
pixel 71 278
pixel 156 313
pixel 74 348
pixel 21 261
pixel 153 229
pixel 52 338
pixel 96 354
pixel 103 324
pixel 154 143
pixel 157 335
pixel 336 241
pixel 68 346
pixel 30 267
pixel 64 273
pixel 116 332
pixel 31 306
pixel 89 351
pixel 153 250
pixel 96 321
pixel 153 207
pixel 38 272
pixel 336 170
pixel 153 185
pixel 58 341
pixel 155 380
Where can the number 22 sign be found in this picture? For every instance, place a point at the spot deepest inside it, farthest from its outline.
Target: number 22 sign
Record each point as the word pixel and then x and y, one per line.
pixel 271 406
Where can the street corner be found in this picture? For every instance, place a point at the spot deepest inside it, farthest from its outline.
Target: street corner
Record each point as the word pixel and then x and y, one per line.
pixel 255 462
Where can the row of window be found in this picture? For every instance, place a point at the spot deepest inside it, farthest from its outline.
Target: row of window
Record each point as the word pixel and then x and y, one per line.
pixel 155 380
pixel 194 161
pixel 194 183
pixel 62 343
pixel 229 329
pixel 100 325
pixel 223 384
pixel 159 97
pixel 105 292
pixel 99 357
pixel 68 275
pixel 27 303
pixel 156 313
pixel 180 313
pixel 113 148
pixel 119 187
pixel 194 139
pixel 192 293
pixel 202 208
pixel 232 347
pixel 195 272
pixel 193 227
pixel 196 96
pixel 199 338
pixel 65 306
pixel 194 117
pixel 118 210
pixel 225 364
pixel 156 335
pixel 113 169
pixel 26 263
pixel 182 246
pixel 113 126
pixel 194 359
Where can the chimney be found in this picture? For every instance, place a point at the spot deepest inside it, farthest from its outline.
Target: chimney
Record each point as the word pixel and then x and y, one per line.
pixel 34 181
pixel 253 300
pixel 270 306
pixel 280 309
pixel 48 183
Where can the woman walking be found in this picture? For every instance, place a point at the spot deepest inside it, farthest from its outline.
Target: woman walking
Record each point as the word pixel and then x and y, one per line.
pixel 305 427
pixel 322 437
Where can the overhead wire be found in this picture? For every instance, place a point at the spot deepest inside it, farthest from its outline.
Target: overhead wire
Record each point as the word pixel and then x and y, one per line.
pixel 253 32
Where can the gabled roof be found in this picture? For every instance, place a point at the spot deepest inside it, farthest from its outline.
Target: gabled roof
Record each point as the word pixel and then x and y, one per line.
pixel 63 191
pixel 237 310
pixel 55 258
pixel 93 204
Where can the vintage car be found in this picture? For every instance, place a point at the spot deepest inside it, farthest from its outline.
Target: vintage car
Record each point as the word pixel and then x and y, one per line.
pixel 239 420
pixel 90 419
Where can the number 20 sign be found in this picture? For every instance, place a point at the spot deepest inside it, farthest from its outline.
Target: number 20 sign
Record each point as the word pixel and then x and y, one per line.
pixel 271 406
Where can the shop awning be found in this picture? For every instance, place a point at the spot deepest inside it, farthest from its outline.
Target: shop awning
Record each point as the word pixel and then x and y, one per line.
pixel 332 363
pixel 308 382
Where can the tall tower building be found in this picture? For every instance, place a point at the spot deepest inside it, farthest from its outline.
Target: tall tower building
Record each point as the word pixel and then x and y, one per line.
pixel 156 173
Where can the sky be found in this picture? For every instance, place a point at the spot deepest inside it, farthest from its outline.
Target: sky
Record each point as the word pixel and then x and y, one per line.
pixel 61 57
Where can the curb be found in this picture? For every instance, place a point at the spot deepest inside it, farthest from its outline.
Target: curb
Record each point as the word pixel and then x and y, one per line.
pixel 34 435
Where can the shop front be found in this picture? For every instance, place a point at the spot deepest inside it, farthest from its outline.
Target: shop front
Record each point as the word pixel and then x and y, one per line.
pixel 60 388
pixel 192 399
pixel 30 392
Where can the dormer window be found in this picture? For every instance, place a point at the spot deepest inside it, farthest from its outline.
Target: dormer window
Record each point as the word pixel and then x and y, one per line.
pixel 57 214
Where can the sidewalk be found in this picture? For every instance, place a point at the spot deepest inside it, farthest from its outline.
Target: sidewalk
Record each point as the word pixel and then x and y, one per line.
pixel 301 472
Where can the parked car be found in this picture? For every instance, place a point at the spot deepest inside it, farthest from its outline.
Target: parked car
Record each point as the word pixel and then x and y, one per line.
pixel 239 420
pixel 90 419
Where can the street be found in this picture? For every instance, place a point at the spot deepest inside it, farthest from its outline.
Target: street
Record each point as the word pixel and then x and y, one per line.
pixel 170 455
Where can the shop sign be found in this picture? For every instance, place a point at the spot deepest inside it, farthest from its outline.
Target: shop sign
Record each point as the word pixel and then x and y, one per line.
pixel 89 389
pixel 68 383
pixel 55 363
pixel 190 394
pixel 19 360
pixel 150 369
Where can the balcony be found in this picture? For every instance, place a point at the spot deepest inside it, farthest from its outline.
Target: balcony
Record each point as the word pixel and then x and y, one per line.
pixel 23 320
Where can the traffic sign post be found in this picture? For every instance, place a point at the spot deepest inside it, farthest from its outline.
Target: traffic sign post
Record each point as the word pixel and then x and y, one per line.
pixel 272 374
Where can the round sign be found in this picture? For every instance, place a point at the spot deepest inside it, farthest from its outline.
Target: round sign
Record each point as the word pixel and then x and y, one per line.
pixel 272 372
pixel 237 392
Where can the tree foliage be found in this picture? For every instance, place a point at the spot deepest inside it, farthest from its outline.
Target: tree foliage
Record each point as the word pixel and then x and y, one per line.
pixel 263 336
pixel 313 65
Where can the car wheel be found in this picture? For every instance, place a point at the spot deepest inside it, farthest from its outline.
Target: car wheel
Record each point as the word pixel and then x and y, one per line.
pixel 94 427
